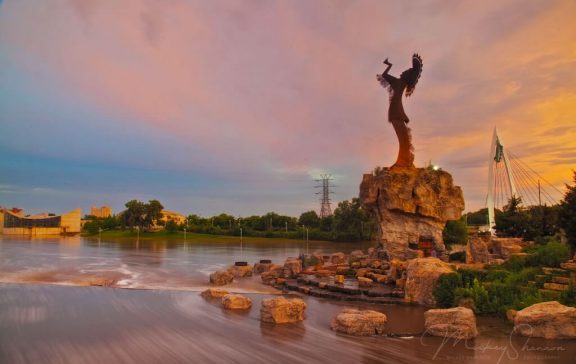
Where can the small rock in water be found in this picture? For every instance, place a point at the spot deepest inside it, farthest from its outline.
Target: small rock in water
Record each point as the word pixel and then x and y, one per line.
pixel 454 323
pixel 281 310
pixel 292 267
pixel 261 267
pixel 359 323
pixel 550 320
pixel 236 302
pixel 221 277
pixel 214 293
pixel 240 271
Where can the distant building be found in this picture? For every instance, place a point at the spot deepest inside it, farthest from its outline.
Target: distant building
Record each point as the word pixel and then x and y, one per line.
pixel 15 223
pixel 169 215
pixel 104 211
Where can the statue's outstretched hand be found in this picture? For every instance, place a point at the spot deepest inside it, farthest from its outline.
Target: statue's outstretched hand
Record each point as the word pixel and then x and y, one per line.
pixel 386 62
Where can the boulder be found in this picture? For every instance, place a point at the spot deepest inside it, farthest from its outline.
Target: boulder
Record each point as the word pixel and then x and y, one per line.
pixel 236 302
pixel 454 323
pixel 410 204
pixel 270 276
pixel 477 250
pixel 241 271
pixel 550 320
pixel 338 258
pixel 292 267
pixel 214 293
pixel 317 258
pixel 376 264
pixel 355 256
pixel 221 277
pixel 505 247
pixel 323 273
pixel 359 323
pixel 511 314
pixel 380 278
pixel 280 310
pixel 364 282
pixel 421 277
pixel 260 268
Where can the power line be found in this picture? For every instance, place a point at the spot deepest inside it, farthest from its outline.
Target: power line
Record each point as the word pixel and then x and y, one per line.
pixel 325 208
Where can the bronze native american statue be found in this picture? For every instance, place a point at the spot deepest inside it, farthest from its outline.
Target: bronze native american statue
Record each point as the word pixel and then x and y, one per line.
pixel 396 115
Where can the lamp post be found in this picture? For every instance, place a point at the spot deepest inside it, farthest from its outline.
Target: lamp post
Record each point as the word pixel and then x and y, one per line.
pixel 184 234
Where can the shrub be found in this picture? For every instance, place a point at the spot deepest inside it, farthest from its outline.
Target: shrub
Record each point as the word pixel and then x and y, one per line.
pixel 497 275
pixel 469 275
pixel 445 288
pixel 478 294
pixel 568 297
pixel 549 255
pixel 515 263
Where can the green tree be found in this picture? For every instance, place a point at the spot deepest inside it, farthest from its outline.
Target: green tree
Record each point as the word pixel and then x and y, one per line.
pixel 514 221
pixel 153 212
pixel 309 219
pixel 141 214
pixel 567 214
pixel 455 232
pixel 352 222
pixel 171 226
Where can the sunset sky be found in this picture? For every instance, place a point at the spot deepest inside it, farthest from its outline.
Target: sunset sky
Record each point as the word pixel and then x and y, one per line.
pixel 237 106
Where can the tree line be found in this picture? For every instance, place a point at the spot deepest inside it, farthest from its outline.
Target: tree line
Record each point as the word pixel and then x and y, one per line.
pixel 349 222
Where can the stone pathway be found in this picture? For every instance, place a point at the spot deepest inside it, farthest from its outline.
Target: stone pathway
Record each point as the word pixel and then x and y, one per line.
pixel 348 291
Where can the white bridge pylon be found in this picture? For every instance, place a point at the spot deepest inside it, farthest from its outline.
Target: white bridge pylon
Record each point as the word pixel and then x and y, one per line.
pixel 498 154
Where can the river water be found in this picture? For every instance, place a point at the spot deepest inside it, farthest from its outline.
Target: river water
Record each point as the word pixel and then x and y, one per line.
pixel 48 314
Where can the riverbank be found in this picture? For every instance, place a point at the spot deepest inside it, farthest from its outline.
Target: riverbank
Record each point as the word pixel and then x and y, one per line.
pixel 197 237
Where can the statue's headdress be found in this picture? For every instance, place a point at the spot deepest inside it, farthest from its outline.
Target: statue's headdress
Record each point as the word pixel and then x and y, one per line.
pixel 411 76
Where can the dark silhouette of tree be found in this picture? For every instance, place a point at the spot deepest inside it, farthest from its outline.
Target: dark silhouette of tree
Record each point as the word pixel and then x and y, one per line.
pixel 567 214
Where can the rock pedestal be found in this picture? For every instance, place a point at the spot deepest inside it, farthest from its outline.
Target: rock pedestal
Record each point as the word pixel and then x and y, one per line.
pixel 359 323
pixel 221 278
pixel 214 293
pixel 412 205
pixel 454 323
pixel 550 320
pixel 236 302
pixel 281 310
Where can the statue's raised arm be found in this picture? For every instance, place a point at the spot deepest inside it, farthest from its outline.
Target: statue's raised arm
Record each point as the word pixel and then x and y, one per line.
pixel 396 115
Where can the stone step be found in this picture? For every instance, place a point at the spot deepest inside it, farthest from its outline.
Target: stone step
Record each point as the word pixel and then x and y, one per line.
pixel 556 272
pixel 569 265
pixel 556 287
pixel 550 294
pixel 561 280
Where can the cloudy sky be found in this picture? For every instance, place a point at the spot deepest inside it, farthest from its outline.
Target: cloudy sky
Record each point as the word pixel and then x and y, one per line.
pixel 237 106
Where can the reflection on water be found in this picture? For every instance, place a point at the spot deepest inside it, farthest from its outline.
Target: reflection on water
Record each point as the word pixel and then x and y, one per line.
pixel 131 263
pixel 57 324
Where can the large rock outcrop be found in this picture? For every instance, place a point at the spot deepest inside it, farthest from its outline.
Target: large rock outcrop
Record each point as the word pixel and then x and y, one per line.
pixel 359 323
pixel 412 206
pixel 454 323
pixel 421 277
pixel 550 320
pixel 281 310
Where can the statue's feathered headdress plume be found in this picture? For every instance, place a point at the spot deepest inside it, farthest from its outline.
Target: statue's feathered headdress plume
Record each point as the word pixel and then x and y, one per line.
pixel 412 75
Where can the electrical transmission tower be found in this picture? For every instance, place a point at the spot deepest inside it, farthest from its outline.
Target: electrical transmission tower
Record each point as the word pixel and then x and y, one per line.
pixel 325 209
